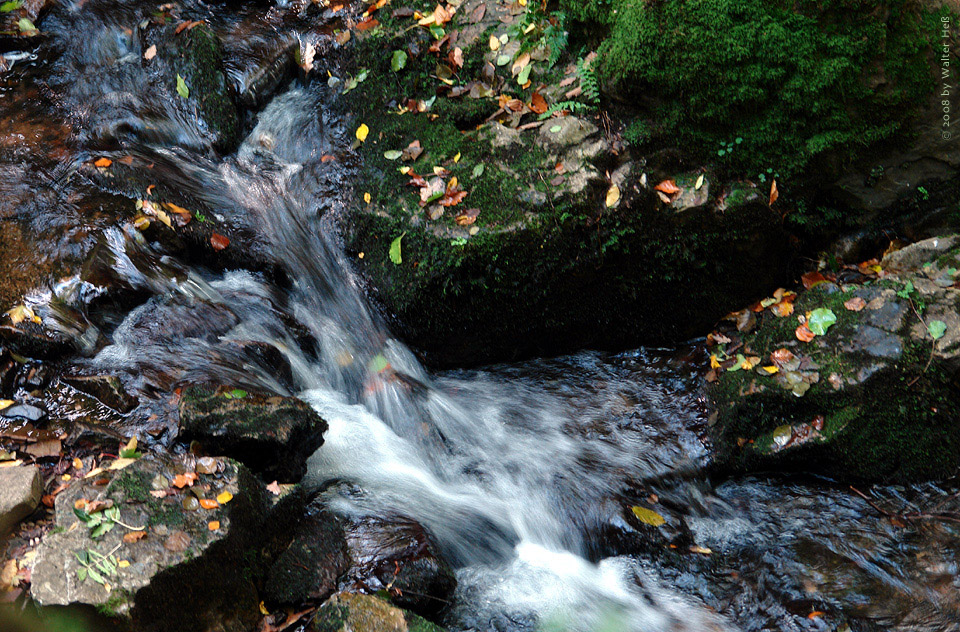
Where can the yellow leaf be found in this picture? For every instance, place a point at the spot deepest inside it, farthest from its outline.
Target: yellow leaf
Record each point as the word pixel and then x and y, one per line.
pixel 453 183
pixel 457 157
pixel 6 403
pixel 366 198
pixel 21 313
pixel 93 472
pixel 263 608
pixel 700 549
pixel 362 132
pixel 123 564
pixel 699 182
pixel 771 369
pixel 224 497
pixel 648 516
pixel 714 363
pixel 131 445
pixel 119 464
pixel 613 196
pixel 494 43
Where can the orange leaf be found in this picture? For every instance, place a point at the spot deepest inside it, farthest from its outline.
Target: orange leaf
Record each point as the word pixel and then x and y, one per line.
pixel 132 536
pixel 804 334
pixel 782 309
pixel 452 197
pixel 781 356
pixel 538 104
pixel 774 193
pixel 218 241
pixel 102 162
pixel 812 279
pixel 327 158
pixel 667 186
pixel 209 503
pixel 467 217
pixel 367 24
pixel 855 304
pixel 183 480
pixel 213 525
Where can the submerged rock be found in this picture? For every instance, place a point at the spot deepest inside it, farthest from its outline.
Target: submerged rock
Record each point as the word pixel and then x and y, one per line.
pixel 137 543
pixel 271 434
pixel 349 612
pixel 873 398
pixel 333 550
pixel 20 490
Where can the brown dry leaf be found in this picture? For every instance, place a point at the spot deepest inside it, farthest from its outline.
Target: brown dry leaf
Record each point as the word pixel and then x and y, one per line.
pixel 218 241
pixel 812 279
pixel 452 196
pixel 477 14
pixel 664 197
pixel 456 57
pixel 182 215
pixel 667 186
pixel 537 103
pixel 367 23
pixel 568 81
pixel 855 304
pixel 180 28
pixel 44 449
pixel 177 542
pixel 342 37
pixel 467 217
pixel 327 158
pixel 413 151
pixel 150 53
pixel 782 356
pixel 134 536
pixel 774 193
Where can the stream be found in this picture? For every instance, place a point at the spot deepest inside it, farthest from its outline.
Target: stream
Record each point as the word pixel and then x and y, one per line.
pixel 521 472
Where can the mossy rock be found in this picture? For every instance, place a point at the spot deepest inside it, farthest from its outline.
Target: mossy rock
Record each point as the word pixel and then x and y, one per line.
pixel 875 398
pixel 272 434
pixel 351 612
pixel 185 573
pixel 543 265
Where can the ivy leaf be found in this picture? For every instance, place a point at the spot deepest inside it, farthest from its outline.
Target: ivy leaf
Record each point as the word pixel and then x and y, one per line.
pixel 937 328
pixel 182 88
pixel 524 75
pixel 820 320
pixel 399 61
pixel 395 255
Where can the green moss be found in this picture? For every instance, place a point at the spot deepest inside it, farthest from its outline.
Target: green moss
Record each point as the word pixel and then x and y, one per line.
pixel 791 79
pixel 118 599
pixel 202 58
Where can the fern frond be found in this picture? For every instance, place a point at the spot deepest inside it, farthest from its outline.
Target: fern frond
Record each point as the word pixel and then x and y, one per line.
pixel 589 82
pixel 572 106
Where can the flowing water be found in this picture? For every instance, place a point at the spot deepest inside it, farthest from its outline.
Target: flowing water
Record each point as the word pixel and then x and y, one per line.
pixel 518 471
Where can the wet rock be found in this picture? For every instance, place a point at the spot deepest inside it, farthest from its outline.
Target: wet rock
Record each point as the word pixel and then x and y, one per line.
pixel 271 434
pixel 108 389
pixel 25 412
pixel 20 490
pixel 348 612
pixel 189 569
pixel 333 549
pixel 874 398
pixel 617 530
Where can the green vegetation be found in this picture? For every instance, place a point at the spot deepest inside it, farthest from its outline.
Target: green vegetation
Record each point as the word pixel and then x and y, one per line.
pixel 797 81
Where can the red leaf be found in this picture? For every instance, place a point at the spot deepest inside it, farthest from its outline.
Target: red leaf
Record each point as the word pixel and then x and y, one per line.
pixel 667 186
pixel 218 241
pixel 538 104
pixel 812 279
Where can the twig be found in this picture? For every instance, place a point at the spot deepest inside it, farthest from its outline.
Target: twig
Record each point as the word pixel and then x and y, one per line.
pixel 871 503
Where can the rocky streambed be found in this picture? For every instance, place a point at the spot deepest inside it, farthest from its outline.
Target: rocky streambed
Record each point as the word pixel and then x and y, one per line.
pixel 204 426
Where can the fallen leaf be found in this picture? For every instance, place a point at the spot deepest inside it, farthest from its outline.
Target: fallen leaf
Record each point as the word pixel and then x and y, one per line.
pixel 467 217
pixel 855 304
pixel 699 183
pixel 648 516
pixel 494 43
pixel 102 162
pixel 702 550
pixel 274 488
pixel 150 53
pixel 613 196
pixel 820 320
pixel 538 104
pixel 134 536
pixel 413 151
pixel 44 449
pixel 184 480
pixel 218 241
pixel 774 193
pixel 177 542
pixel 362 132
pixel 812 279
pixel 213 525
pixel 804 334
pixel 224 497
pixel 937 329
pixel 209 503
pixel 182 88
pixel 668 187
pixel 782 309
pixel 119 464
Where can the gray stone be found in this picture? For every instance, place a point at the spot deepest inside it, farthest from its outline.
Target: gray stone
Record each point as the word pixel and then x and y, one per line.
pixel 501 137
pixel 875 342
pixel 915 255
pixel 889 316
pixel 20 490
pixel 573 131
pixel 23 411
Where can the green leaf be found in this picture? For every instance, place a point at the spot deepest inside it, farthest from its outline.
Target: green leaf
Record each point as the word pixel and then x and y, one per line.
pixel 478 170
pixel 130 454
pixel 739 365
pixel 378 363
pixel 395 254
pixel 437 31
pixel 100 530
pixel 906 291
pixel 399 60
pixel 81 573
pixel 555 129
pixel 12 5
pixel 182 88
pixel 26 25
pixel 97 577
pixel 113 513
pixel 937 329
pixel 524 75
pixel 393 154
pixel 83 515
pixel 503 60
pixel 648 516
pixel 237 393
pixel 820 320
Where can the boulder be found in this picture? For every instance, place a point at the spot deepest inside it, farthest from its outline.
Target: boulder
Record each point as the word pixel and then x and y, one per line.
pixel 332 550
pixel 108 389
pixel 271 434
pixel 163 542
pixel 349 612
pixel 874 398
pixel 20 490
